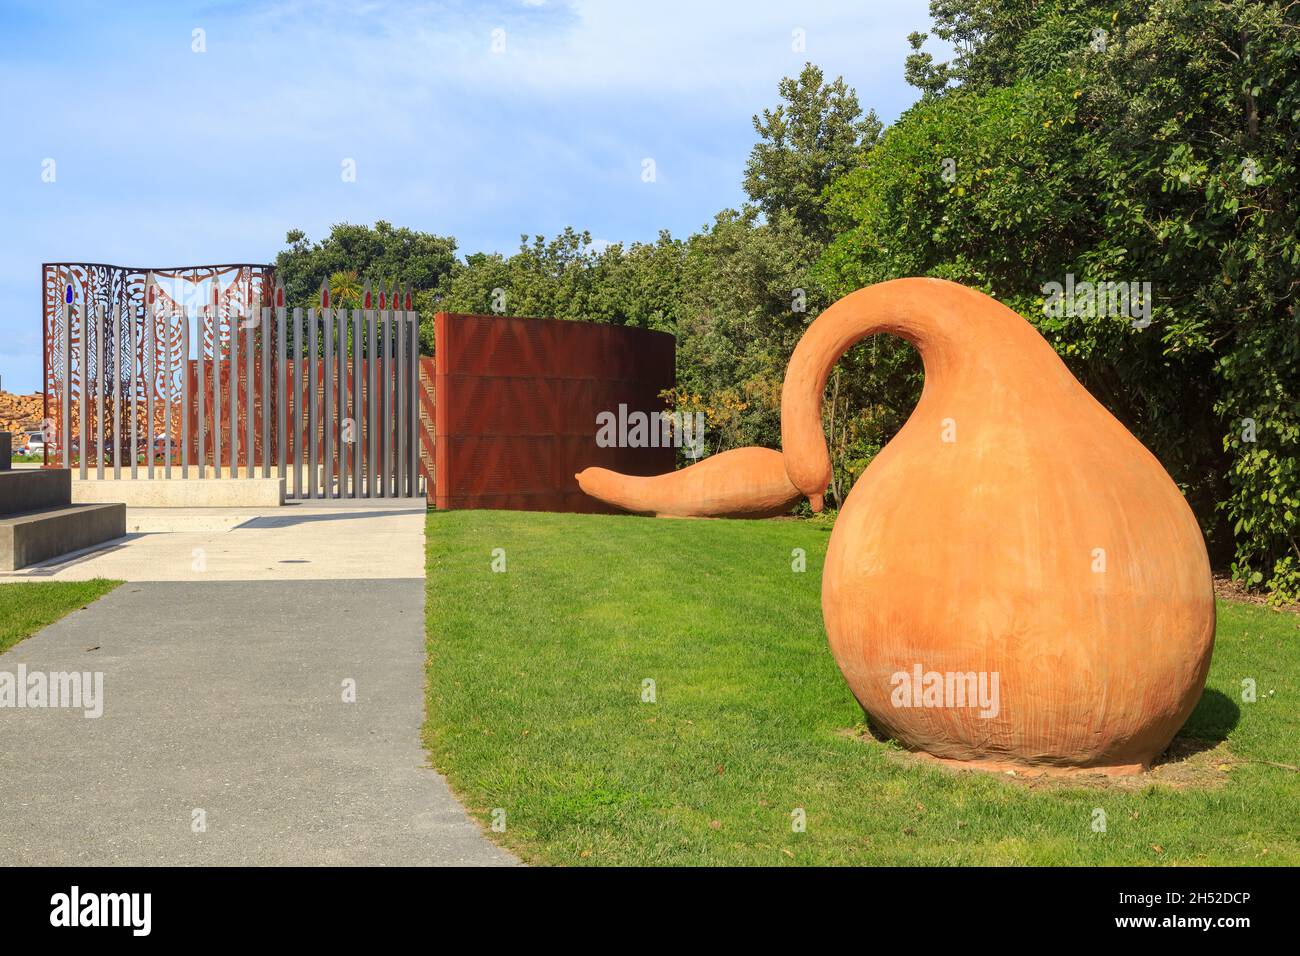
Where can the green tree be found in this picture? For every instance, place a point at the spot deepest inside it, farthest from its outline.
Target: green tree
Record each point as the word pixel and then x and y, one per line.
pixel 816 133
pixel 380 253
pixel 1154 142
pixel 1199 104
pixel 346 289
pixel 1000 42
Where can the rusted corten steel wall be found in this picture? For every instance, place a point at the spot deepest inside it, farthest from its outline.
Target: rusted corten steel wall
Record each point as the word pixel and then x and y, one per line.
pixel 516 402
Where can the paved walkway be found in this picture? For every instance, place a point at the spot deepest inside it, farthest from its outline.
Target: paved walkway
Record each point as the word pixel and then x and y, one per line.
pixel 321 540
pixel 224 686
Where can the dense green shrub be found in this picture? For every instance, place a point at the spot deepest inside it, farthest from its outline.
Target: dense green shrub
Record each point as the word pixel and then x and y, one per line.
pixel 1161 150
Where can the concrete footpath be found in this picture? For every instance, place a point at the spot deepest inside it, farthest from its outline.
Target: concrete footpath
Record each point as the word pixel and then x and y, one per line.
pixel 228 736
pixel 305 541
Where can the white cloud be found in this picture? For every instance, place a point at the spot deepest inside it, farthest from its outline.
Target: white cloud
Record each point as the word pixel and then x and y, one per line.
pixel 167 156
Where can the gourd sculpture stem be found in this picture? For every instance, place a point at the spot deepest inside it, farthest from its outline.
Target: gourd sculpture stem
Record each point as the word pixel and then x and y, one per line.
pixel 1015 580
pixel 741 483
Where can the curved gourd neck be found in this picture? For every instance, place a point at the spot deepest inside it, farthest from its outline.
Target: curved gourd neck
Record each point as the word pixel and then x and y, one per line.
pixel 955 330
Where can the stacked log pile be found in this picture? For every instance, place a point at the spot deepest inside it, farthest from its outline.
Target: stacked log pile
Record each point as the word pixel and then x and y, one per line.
pixel 20 414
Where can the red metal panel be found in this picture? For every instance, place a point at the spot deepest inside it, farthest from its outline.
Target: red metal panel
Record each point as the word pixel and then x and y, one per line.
pixel 516 405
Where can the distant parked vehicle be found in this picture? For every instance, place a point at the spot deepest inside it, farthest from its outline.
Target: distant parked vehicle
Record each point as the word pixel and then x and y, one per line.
pixel 29 443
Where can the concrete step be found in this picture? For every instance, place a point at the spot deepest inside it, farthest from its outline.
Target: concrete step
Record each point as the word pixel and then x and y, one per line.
pixel 36 536
pixel 31 490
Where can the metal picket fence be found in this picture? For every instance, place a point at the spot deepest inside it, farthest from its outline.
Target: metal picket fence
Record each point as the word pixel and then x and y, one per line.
pixel 325 398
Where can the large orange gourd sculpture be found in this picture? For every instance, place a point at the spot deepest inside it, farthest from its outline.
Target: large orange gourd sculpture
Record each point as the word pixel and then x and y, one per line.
pixel 1012 535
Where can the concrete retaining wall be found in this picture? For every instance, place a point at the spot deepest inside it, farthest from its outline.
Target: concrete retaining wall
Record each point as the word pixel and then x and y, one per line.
pixel 40 535
pixel 32 490
pixel 181 493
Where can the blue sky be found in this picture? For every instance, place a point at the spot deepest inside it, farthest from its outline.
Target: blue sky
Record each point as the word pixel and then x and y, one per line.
pixel 166 156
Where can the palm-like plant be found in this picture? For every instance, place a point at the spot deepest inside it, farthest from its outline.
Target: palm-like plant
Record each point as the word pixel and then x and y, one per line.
pixel 345 289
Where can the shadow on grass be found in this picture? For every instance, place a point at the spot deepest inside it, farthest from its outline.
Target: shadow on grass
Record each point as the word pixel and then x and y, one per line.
pixel 1194 758
pixel 1213 719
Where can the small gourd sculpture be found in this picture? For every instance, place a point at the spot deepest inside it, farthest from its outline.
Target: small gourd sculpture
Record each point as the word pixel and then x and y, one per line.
pixel 1014 581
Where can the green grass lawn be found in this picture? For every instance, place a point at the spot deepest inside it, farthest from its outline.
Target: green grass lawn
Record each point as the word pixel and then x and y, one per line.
pixel 535 707
pixel 26 607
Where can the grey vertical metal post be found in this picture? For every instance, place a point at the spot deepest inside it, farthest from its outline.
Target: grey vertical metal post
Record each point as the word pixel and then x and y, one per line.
pixel 151 367
pixel 357 398
pixel 216 383
pixel 255 319
pixel 417 432
pixel 169 389
pixel 135 395
pixel 265 316
pixel 281 391
pixel 65 436
pixel 399 460
pixel 327 329
pixel 371 413
pixel 100 321
pixel 341 399
pixel 234 394
pixel 116 314
pixel 312 382
pixel 381 397
pixel 395 393
pixel 386 406
pixel 297 403
pixel 396 362
pixel 185 395
pixel 150 356
pixel 84 401
pixel 202 387
pixel 390 395
pixel 377 408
